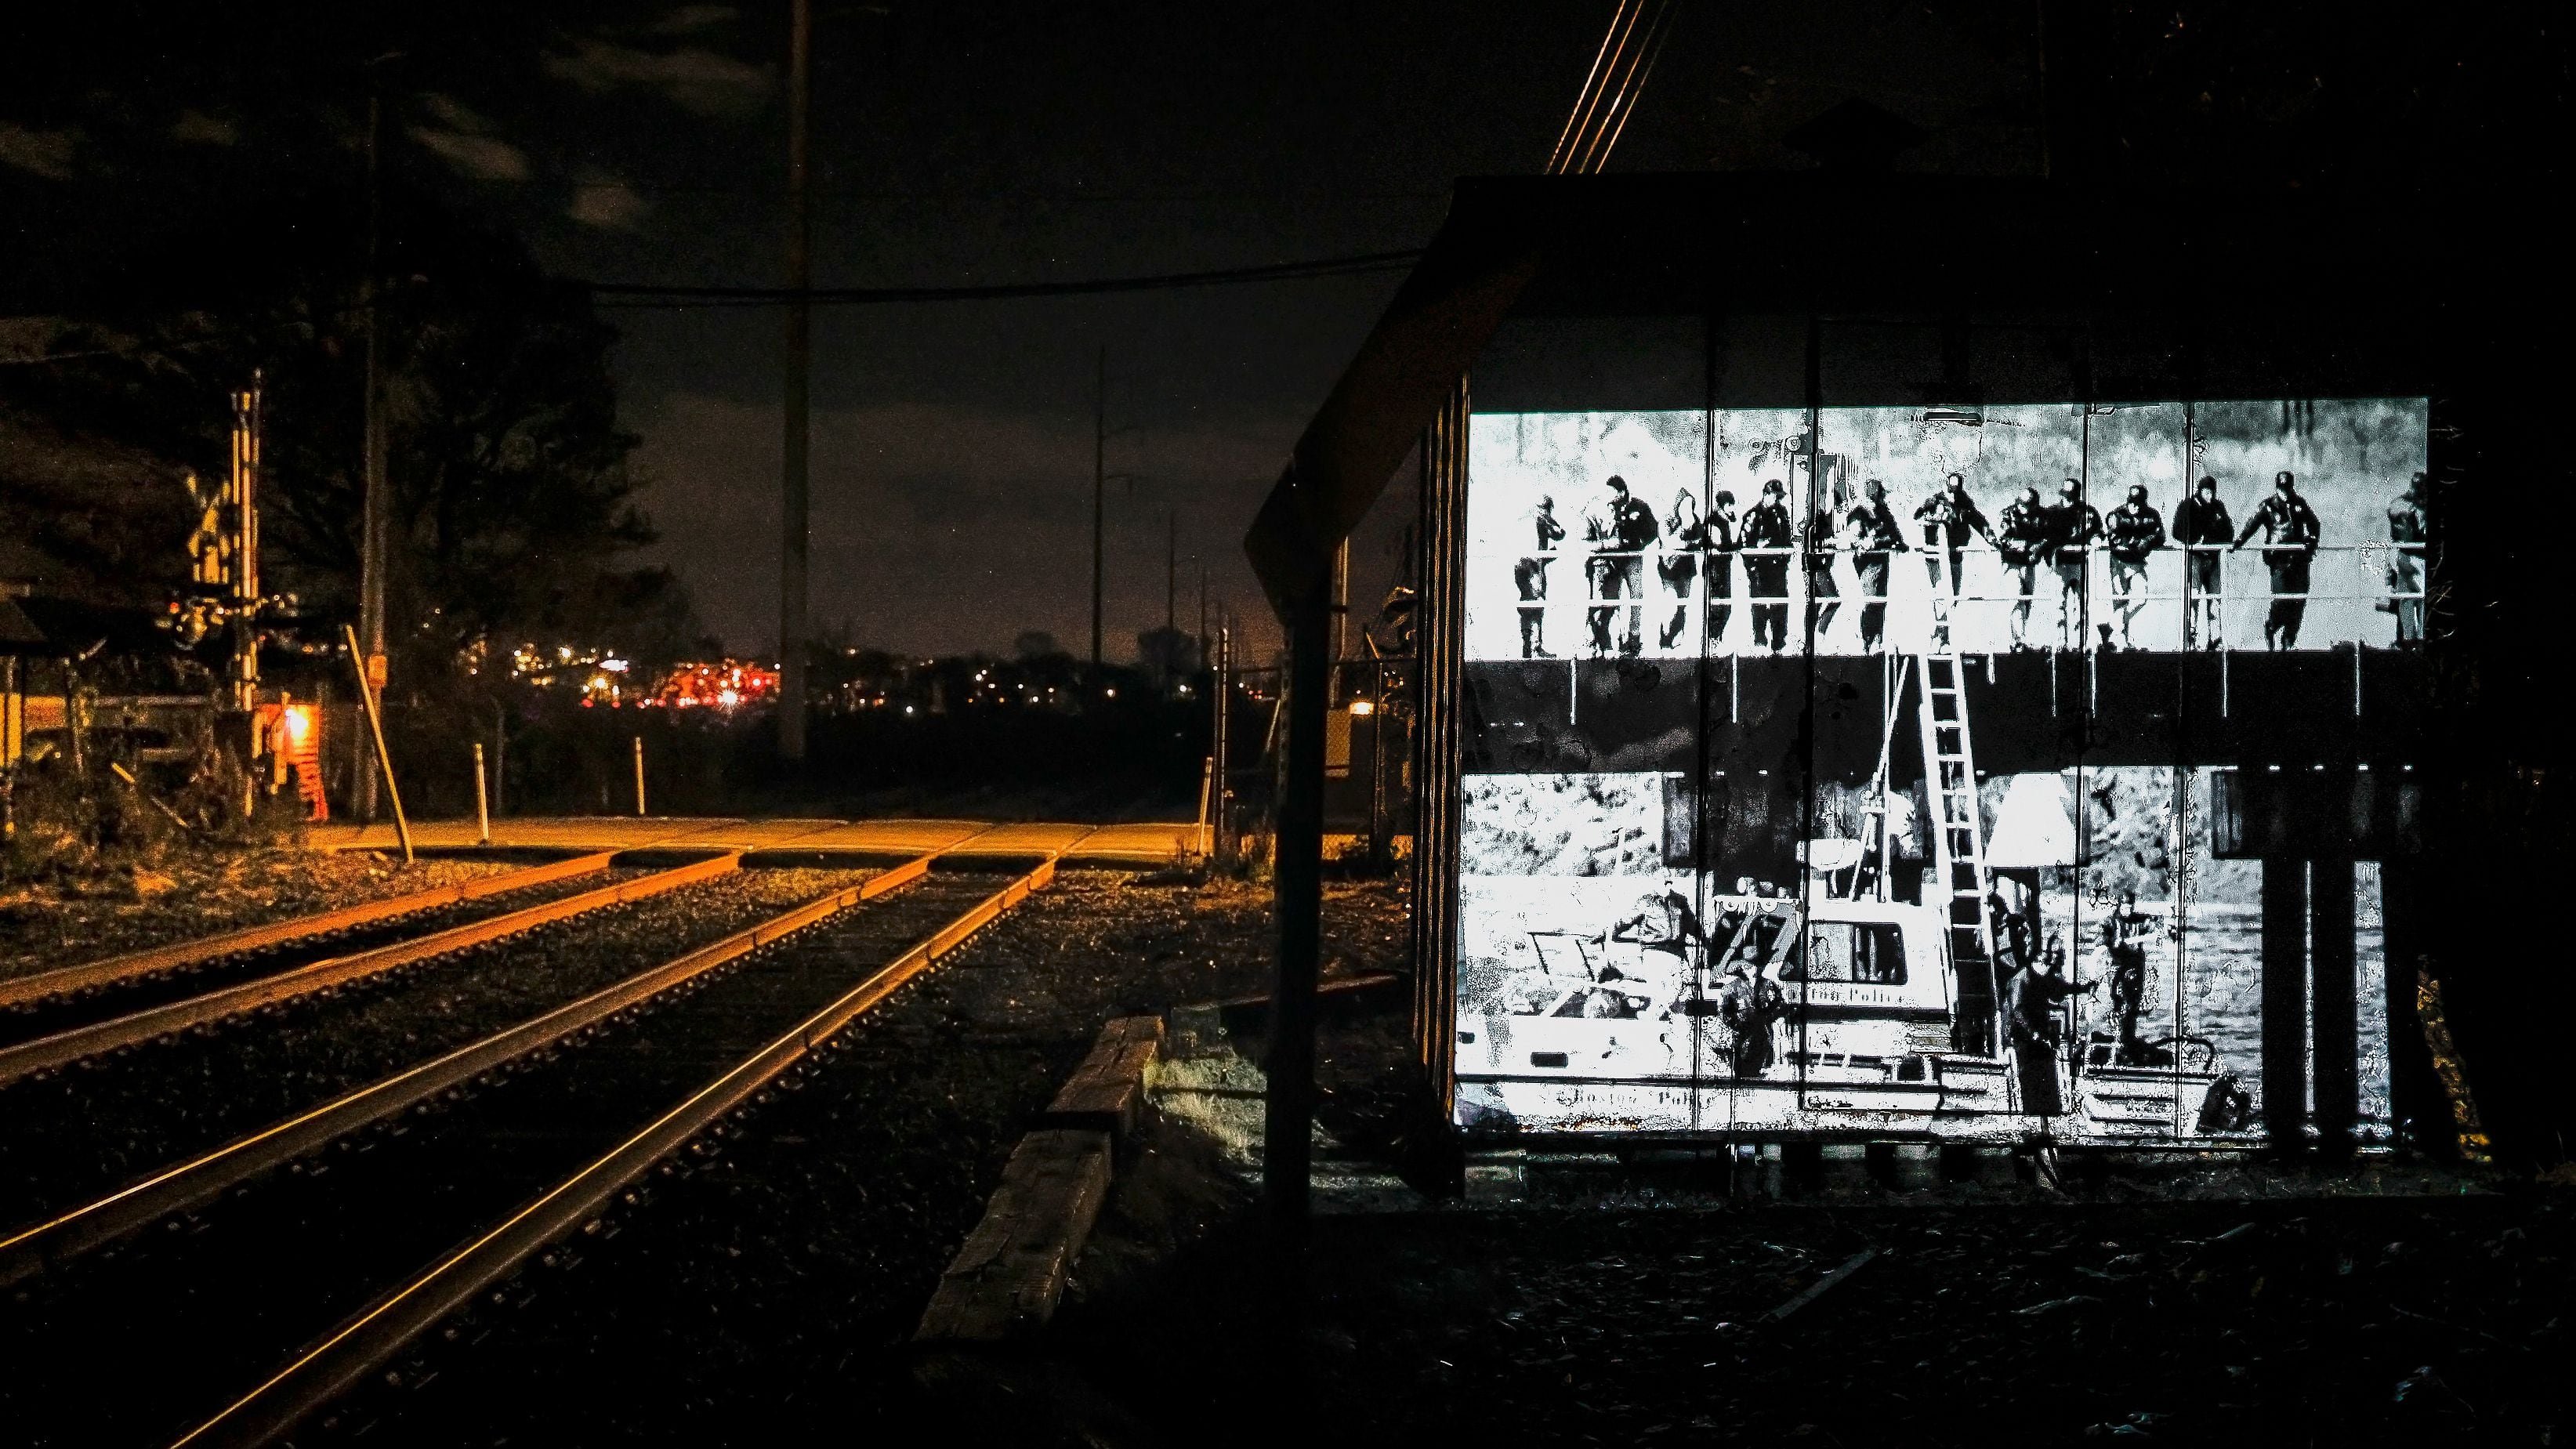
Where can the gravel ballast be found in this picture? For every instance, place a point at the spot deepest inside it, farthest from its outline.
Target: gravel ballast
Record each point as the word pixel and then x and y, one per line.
pixel 91 1128
pixel 47 925
pixel 776 1276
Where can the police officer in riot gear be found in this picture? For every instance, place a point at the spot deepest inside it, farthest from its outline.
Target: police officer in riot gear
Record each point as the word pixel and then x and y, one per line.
pixel 1950 518
pixel 1824 600
pixel 2022 543
pixel 2073 526
pixel 2406 563
pixel 1621 528
pixel 1878 538
pixel 1530 574
pixel 2202 527
pixel 2134 530
pixel 1766 573
pixel 1687 535
pixel 2290 536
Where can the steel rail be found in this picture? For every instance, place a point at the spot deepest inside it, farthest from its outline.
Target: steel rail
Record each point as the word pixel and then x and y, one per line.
pixel 366 1342
pixel 66 1047
pixel 114 969
pixel 191 1184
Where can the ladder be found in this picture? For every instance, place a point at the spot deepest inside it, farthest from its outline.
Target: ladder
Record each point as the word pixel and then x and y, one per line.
pixel 1958 836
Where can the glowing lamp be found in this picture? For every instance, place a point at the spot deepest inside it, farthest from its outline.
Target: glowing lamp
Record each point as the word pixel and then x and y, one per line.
pixel 1362 708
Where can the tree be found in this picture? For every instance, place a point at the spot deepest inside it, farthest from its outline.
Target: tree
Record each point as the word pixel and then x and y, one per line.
pixel 512 484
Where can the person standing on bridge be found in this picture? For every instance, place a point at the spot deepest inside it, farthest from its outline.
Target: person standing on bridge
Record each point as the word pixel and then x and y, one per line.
pixel 1621 529
pixel 1530 575
pixel 2135 531
pixel 1768 538
pixel 2023 545
pixel 2406 563
pixel 2290 537
pixel 1719 542
pixel 2202 527
pixel 1824 600
pixel 2073 525
pixel 1685 539
pixel 1880 539
pixel 1950 519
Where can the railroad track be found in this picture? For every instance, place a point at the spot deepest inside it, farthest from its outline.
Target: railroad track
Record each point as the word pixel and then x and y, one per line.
pixel 108 1007
pixel 69 983
pixel 507 1144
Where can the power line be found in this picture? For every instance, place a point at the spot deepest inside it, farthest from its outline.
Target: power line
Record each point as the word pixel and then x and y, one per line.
pixel 647 294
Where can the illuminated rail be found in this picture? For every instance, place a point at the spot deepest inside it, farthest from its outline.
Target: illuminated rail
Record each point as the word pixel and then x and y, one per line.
pixel 193 1183
pixel 65 1047
pixel 366 1342
pixel 115 970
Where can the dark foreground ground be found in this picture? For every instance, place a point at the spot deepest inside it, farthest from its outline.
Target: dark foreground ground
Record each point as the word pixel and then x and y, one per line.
pixel 2348 1321
pixel 761 1290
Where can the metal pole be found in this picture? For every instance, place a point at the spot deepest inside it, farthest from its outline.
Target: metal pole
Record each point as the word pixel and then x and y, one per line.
pixel 1298 874
pixel 1341 609
pixel 376 727
pixel 800 319
pixel 639 776
pixel 1099 484
pixel 482 800
pixel 367 647
pixel 1224 742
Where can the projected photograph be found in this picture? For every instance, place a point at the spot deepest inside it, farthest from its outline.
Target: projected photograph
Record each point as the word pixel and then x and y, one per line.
pixel 2110 986
pixel 1875 887
pixel 2150 526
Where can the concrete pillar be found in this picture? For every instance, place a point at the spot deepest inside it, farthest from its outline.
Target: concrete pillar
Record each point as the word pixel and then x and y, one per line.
pixel 2415 1102
pixel 2331 974
pixel 2285 1002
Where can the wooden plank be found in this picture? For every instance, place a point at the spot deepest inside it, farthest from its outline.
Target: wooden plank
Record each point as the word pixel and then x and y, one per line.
pixel 1107 1092
pixel 1009 1276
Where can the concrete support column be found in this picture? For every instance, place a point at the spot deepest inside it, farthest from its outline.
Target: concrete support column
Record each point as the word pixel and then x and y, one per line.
pixel 2331 972
pixel 2415 1103
pixel 2285 1002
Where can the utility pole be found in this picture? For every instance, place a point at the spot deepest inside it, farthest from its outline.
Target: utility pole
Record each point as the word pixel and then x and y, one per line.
pixel 1341 616
pixel 375 505
pixel 800 349
pixel 1099 485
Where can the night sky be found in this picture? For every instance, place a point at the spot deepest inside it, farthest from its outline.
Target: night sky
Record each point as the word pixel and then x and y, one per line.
pixel 961 144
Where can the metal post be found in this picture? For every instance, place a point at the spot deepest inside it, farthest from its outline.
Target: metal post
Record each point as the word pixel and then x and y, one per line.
pixel 2331 969
pixel 1298 874
pixel 367 648
pixel 482 800
pixel 376 728
pixel 1099 485
pixel 1224 743
pixel 800 321
pixel 639 777
pixel 2285 1003
pixel 1341 610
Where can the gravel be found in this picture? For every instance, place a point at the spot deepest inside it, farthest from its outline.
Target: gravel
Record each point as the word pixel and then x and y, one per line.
pixel 2337 1322
pixel 219 1297
pixel 47 925
pixel 67 1138
pixel 776 1276
pixel 30 1020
